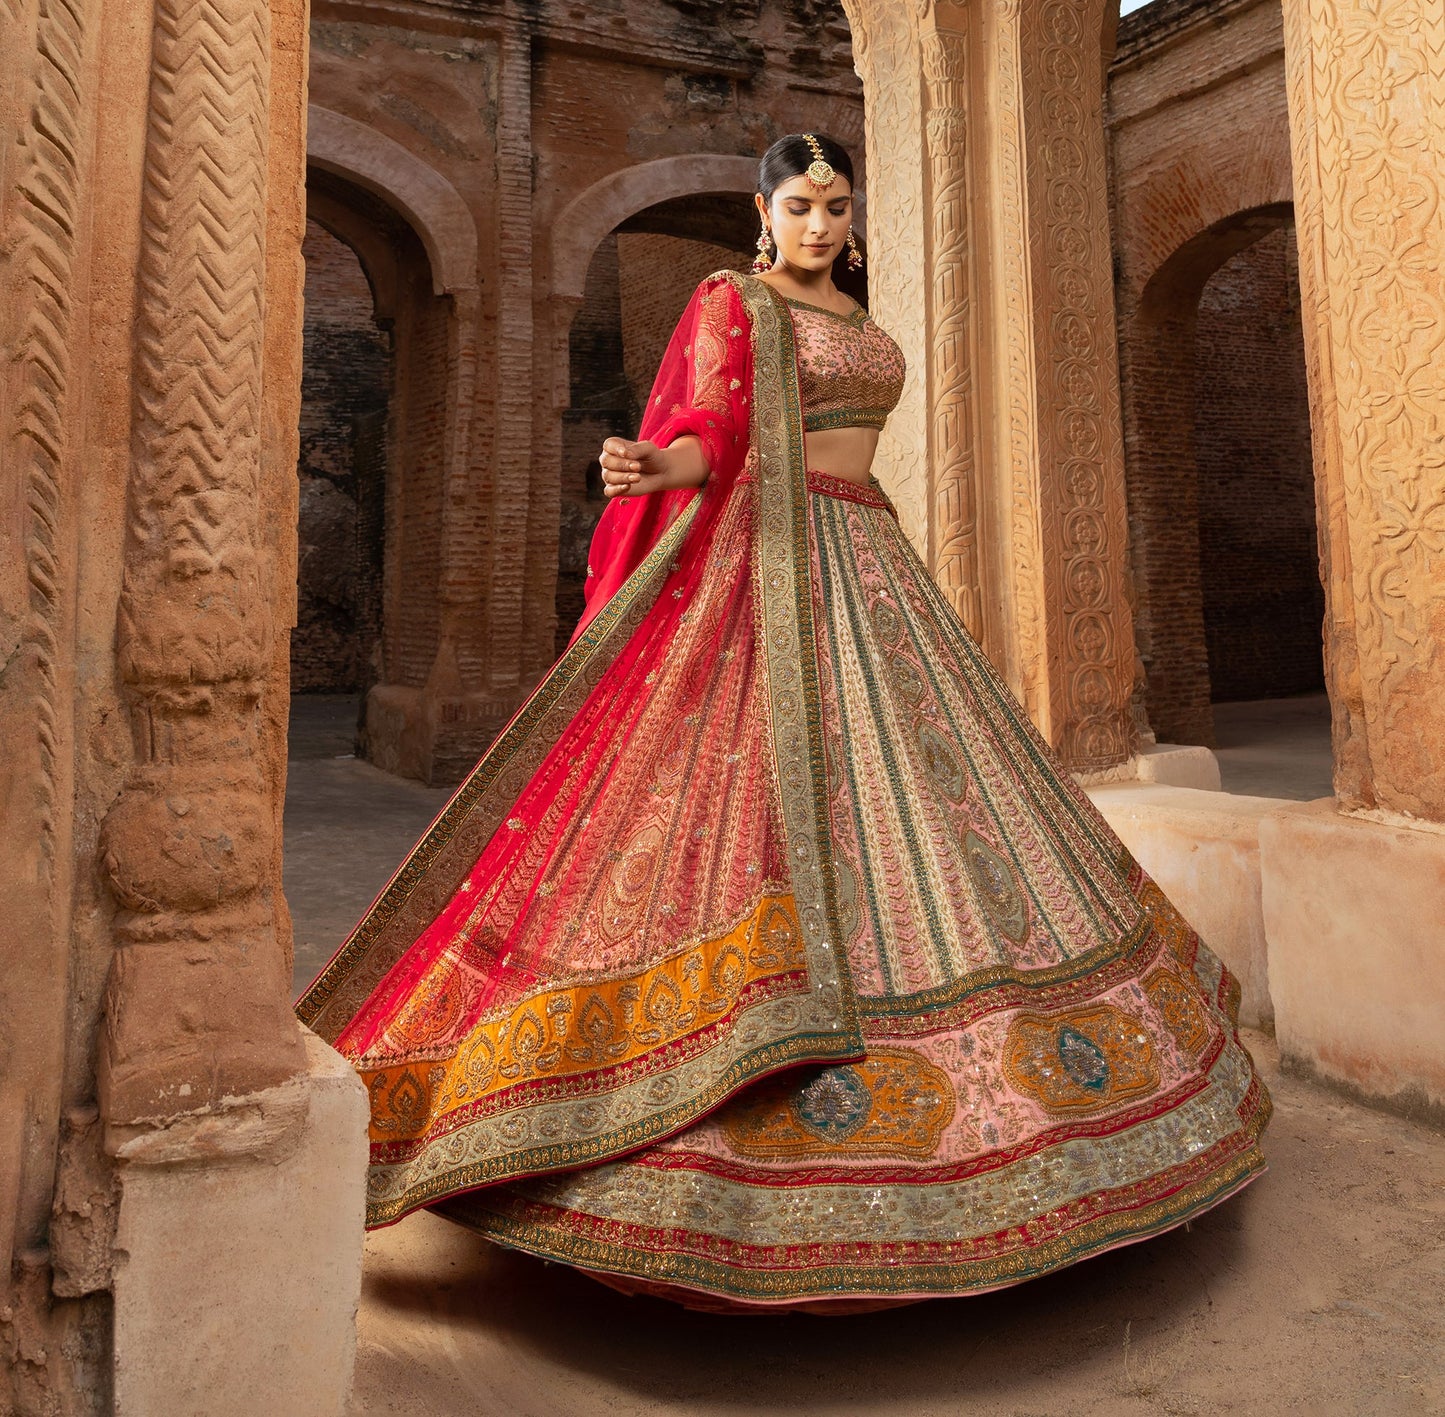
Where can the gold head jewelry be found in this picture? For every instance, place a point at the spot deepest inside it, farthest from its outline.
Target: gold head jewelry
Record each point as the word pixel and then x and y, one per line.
pixel 820 172
pixel 763 261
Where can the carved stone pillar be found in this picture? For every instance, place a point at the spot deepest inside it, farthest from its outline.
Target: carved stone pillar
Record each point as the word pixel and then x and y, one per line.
pixel 1367 113
pixel 197 998
pixel 888 58
pixel 953 282
pixel 988 207
pixel 1050 66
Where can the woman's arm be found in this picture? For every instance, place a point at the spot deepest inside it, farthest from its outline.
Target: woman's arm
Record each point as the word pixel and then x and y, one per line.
pixel 634 469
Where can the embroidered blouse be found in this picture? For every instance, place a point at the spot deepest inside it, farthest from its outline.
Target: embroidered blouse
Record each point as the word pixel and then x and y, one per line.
pixel 850 372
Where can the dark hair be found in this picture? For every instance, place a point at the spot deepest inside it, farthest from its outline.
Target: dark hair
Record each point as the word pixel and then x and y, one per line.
pixel 790 156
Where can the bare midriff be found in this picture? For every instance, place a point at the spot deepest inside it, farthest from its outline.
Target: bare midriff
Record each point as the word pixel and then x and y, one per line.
pixel 842 452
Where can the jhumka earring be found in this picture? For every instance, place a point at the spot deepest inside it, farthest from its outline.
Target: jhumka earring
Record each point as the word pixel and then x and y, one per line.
pixel 763 261
pixel 820 172
pixel 855 256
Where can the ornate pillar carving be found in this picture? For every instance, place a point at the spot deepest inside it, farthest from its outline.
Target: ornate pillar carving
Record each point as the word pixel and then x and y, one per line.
pixel 988 203
pixel 1078 495
pixel 1367 113
pixel 886 54
pixel 953 269
pixel 197 997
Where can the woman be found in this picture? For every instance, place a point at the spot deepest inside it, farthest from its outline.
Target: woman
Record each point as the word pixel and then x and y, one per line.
pixel 769 957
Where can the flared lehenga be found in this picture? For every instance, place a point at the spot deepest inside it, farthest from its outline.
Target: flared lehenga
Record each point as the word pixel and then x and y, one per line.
pixel 771 958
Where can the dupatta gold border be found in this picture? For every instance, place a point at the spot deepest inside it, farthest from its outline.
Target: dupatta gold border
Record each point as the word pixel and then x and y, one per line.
pixel 783 576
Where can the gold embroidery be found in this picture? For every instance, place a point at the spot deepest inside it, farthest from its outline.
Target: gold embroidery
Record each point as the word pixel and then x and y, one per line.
pixel 1179 1007
pixel 1082 1061
pixel 577 1029
pixel 894 1103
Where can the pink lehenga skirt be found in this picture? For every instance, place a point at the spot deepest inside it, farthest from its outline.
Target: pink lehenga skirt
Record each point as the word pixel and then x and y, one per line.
pixel 599 1050
pixel 1051 1065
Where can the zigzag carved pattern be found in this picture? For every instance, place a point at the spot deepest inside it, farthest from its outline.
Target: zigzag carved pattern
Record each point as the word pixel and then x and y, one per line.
pixel 195 484
pixel 48 194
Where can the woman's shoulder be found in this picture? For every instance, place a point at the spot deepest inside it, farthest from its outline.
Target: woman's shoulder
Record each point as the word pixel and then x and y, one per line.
pixel 725 288
pixel 723 279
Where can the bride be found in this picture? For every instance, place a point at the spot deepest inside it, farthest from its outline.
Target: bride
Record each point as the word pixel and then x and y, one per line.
pixel 769 957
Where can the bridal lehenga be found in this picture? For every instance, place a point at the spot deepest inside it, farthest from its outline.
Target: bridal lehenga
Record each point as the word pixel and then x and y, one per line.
pixel 769 957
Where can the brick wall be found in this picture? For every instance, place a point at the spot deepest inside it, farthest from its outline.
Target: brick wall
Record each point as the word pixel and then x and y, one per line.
pixel 1200 172
pixel 414 483
pixel 1259 564
pixel 345 377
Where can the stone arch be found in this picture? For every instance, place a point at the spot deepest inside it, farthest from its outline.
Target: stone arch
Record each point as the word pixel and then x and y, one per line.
pixel 1163 473
pixel 383 167
pixel 605 205
pixel 1199 203
pixel 418 245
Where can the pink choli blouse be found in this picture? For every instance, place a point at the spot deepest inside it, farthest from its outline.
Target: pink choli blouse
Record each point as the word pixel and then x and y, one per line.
pixel 850 372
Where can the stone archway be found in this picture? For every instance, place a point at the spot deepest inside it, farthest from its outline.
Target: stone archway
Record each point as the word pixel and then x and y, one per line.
pixel 423 602
pixel 587 223
pixel 604 206
pixel 381 166
pixel 1158 335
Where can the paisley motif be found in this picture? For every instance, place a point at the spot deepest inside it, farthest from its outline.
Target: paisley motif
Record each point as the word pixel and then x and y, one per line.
pixel 1081 1061
pixel 1179 1007
pixel 886 621
pixel 994 880
pixel 940 763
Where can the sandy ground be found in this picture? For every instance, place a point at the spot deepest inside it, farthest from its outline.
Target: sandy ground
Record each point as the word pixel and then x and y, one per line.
pixel 1320 1289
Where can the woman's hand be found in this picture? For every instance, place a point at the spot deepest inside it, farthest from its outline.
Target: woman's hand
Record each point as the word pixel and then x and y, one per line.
pixel 630 469
pixel 633 469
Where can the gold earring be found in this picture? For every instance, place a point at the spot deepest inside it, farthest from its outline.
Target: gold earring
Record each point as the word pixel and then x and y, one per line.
pixel 855 256
pixel 763 261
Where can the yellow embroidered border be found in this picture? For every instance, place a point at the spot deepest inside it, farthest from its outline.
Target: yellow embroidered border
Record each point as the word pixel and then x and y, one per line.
pixel 588 1030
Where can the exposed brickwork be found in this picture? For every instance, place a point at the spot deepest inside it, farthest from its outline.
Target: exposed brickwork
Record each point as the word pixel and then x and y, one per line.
pixel 414 512
pixel 345 377
pixel 1201 172
pixel 1263 599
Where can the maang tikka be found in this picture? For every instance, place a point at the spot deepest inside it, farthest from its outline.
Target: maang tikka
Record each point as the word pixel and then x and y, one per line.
pixel 819 172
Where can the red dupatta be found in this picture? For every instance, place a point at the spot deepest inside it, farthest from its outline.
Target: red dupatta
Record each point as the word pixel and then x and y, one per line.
pixel 703 387
pixel 626 912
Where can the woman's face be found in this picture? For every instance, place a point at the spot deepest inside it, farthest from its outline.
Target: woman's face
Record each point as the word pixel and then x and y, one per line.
pixel 809 226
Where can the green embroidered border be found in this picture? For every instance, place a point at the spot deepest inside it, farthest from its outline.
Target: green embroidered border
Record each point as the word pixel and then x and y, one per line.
pixel 915 1277
pixel 845 418
pixel 783 576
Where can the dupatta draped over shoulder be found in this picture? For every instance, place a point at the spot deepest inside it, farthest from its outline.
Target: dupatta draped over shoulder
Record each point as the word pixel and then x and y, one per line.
pixel 626 912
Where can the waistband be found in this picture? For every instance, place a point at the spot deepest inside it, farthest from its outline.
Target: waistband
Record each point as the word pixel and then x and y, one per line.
pixel 828 486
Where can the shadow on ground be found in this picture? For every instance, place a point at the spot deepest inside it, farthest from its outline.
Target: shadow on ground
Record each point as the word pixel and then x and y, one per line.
pixel 1320 1289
